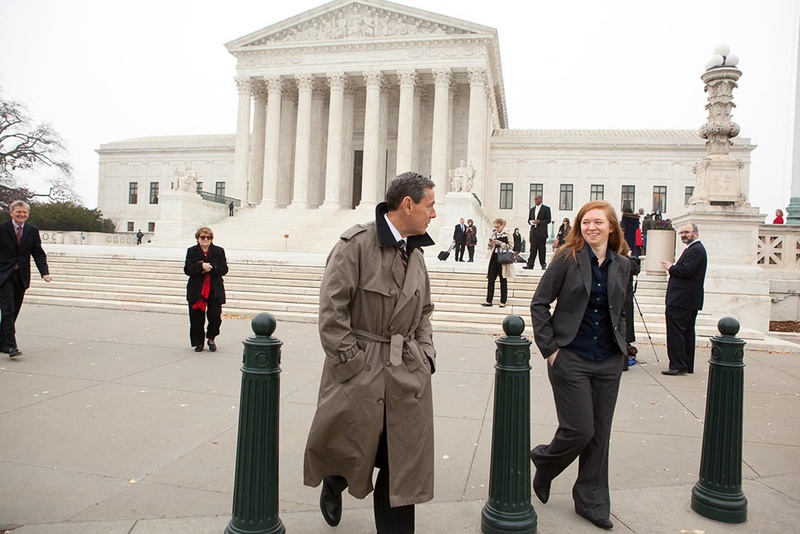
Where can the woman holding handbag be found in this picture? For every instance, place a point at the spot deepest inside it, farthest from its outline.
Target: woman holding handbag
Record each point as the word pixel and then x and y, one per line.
pixel 501 263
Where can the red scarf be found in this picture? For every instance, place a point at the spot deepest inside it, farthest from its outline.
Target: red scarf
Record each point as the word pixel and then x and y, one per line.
pixel 205 291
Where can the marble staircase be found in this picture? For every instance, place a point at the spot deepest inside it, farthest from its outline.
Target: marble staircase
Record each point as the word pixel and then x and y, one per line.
pixel 290 291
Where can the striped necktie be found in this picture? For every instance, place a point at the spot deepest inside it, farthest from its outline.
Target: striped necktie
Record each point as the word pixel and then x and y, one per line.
pixel 401 245
pixel 19 235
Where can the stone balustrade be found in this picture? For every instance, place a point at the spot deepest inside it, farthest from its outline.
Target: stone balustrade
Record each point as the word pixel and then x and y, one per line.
pixel 779 247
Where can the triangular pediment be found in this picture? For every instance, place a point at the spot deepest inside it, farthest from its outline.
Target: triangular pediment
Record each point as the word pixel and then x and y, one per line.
pixel 356 20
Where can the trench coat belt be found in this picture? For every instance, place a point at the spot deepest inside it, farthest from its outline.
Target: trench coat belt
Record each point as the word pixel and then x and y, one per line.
pixel 397 341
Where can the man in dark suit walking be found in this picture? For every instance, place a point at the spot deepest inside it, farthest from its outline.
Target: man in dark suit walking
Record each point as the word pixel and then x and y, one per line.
pixel 460 238
pixel 684 299
pixel 539 219
pixel 18 242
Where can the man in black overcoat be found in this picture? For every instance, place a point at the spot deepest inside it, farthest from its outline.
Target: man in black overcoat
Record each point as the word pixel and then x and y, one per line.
pixel 18 242
pixel 684 299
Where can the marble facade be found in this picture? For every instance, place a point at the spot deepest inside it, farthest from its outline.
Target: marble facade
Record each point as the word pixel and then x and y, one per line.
pixel 335 101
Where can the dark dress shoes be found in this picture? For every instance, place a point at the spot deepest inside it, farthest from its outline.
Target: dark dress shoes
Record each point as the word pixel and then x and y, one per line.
pixel 672 372
pixel 602 522
pixel 541 488
pixel 330 505
pixel 13 351
pixel 198 348
pixel 212 346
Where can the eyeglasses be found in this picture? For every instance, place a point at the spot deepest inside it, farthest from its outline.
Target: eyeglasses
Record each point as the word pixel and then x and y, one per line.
pixel 205 237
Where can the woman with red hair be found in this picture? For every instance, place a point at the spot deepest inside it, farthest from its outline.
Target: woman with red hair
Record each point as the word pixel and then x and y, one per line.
pixel 583 340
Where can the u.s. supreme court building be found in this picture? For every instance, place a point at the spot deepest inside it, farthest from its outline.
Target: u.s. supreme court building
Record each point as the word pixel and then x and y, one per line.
pixel 334 102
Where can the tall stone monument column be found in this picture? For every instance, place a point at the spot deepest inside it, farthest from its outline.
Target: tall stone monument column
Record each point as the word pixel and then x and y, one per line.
pixel 256 174
pixel 405 120
pixel 441 132
pixel 333 165
pixel 478 127
pixel 272 144
pixel 302 151
pixel 242 148
pixel 727 224
pixel 372 129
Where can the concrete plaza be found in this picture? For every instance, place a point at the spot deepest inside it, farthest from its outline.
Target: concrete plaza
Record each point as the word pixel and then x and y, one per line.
pixel 111 423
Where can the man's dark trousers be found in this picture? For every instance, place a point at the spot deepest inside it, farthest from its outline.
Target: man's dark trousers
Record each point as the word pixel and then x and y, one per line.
pixel 388 520
pixel 538 239
pixel 11 296
pixel 681 338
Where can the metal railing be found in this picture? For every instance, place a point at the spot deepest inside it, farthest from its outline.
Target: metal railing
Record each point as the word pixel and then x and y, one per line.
pixel 221 199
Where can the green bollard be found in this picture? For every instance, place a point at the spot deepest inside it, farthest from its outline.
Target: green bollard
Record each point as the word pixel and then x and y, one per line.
pixel 718 493
pixel 255 486
pixel 509 506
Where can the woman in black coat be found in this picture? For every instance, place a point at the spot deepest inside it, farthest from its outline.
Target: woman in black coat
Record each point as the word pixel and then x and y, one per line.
pixel 205 291
pixel 630 223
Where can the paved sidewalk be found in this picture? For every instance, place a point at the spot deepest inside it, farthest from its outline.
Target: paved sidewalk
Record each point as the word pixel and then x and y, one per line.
pixel 111 423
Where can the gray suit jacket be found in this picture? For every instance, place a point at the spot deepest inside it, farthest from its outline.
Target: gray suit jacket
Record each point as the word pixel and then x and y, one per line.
pixel 569 281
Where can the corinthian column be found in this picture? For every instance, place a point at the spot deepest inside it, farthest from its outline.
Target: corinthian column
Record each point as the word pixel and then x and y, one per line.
pixel 239 185
pixel 405 121
pixel 441 121
pixel 372 128
pixel 333 164
pixel 272 138
pixel 478 127
pixel 257 152
pixel 302 150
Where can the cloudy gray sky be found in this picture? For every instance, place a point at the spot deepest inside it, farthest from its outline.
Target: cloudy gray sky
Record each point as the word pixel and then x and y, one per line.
pixel 105 70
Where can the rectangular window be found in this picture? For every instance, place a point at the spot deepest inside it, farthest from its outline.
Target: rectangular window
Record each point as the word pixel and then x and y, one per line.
pixel 660 198
pixel 597 193
pixel 153 192
pixel 537 190
pixel 130 226
pixel 219 189
pixel 687 194
pixel 151 227
pixel 628 196
pixel 199 186
pixel 565 197
pixel 133 193
pixel 506 196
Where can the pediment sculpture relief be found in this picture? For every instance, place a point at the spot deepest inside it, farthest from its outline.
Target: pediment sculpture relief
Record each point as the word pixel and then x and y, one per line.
pixel 358 21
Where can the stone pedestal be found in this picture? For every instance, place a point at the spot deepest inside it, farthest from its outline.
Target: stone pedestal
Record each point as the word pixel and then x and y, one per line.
pixel 660 246
pixel 735 286
pixel 183 212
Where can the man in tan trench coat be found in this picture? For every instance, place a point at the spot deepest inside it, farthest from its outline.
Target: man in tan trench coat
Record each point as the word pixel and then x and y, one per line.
pixel 375 406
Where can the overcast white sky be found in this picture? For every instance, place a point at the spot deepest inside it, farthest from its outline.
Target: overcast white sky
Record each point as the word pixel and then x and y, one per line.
pixel 106 70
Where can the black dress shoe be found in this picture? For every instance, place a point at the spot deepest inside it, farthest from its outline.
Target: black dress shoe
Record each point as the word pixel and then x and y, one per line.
pixel 526 267
pixel 212 346
pixel 198 348
pixel 672 372
pixel 602 522
pixel 330 505
pixel 486 304
pixel 14 351
pixel 541 488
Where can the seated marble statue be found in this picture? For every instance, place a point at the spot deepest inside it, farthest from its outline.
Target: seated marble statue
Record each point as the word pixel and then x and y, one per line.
pixel 462 178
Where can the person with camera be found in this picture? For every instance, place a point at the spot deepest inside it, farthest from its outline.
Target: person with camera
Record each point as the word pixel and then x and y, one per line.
pixel 498 244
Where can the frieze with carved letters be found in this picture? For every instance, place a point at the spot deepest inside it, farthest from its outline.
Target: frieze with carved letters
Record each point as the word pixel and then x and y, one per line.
pixel 358 21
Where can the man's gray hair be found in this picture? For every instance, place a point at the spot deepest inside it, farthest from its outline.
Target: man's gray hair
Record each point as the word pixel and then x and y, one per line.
pixel 694 226
pixel 408 184
pixel 18 203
